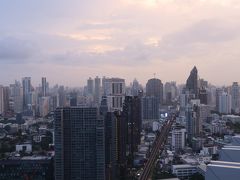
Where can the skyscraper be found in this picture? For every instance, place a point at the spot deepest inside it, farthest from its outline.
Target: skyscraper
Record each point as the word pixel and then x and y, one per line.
pixel 235 97
pixel 1 100
pixel 219 92
pixel 194 124
pixel 97 90
pixel 150 109
pixel 225 104
pixel 132 116
pixel 115 92
pixel 135 88
pixel 203 96
pixel 79 144
pixel 90 86
pixel 27 89
pixel 44 86
pixel 154 88
pixel 17 96
pixel 170 91
pixel 115 142
pixel 192 82
pixel 4 99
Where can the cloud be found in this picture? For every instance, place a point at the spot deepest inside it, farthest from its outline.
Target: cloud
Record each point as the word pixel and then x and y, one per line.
pixel 14 50
pixel 135 54
pixel 197 39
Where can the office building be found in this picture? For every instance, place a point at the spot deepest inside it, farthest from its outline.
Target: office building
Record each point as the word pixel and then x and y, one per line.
pixel 150 109
pixel 203 96
pixel 225 103
pixel 219 92
pixel 4 99
pixel 170 91
pixel 27 89
pixel 1 99
pixel 235 97
pixel 17 96
pixel 132 115
pixel 194 125
pixel 136 88
pixel 73 98
pixel 192 82
pixel 79 144
pixel 28 167
pixel 178 139
pixel 184 171
pixel 154 88
pixel 44 86
pixel 90 87
pixel 115 93
pixel 97 90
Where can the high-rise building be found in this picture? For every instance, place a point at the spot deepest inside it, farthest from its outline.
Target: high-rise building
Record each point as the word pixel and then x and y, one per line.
pixel 154 88
pixel 219 92
pixel 97 90
pixel 17 96
pixel 132 115
pixel 27 89
pixel 178 139
pixel 150 109
pixel 79 144
pixel 136 88
pixel 90 86
pixel 73 99
pixel 115 142
pixel 203 96
pixel 1 99
pixel 225 103
pixel 115 92
pixel 192 82
pixel 4 99
pixel 170 91
pixel 61 97
pixel 235 97
pixel 44 106
pixel 44 86
pixel 194 125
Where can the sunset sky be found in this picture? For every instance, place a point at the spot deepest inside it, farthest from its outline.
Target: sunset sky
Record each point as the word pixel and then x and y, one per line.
pixel 70 40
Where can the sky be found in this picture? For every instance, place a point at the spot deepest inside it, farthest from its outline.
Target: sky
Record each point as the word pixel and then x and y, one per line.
pixel 69 41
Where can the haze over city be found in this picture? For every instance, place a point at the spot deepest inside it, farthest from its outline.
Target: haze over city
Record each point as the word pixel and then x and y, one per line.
pixel 124 38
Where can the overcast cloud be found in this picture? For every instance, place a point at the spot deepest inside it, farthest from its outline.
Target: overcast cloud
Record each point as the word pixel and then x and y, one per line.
pixel 125 38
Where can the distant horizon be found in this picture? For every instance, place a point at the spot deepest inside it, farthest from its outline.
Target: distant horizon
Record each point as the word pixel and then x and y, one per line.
pixel 68 41
pixel 36 81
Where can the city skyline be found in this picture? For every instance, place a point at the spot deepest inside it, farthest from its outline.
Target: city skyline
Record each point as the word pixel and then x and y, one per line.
pixel 125 38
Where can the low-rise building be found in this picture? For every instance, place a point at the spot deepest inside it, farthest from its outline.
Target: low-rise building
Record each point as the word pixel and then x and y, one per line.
pixel 183 171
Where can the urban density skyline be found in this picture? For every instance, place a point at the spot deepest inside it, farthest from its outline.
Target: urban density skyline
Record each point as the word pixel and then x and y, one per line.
pixel 36 81
pixel 124 38
pixel 119 90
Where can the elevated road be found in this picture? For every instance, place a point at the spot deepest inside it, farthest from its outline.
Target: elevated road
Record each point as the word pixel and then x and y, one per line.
pixel 157 148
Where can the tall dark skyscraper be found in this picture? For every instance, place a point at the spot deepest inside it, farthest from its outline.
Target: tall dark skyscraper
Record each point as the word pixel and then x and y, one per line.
pixel 154 88
pixel 79 144
pixel 115 142
pixel 192 82
pixel 26 83
pixel 132 115
pixel 97 90
pixel 203 96
pixel 44 86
